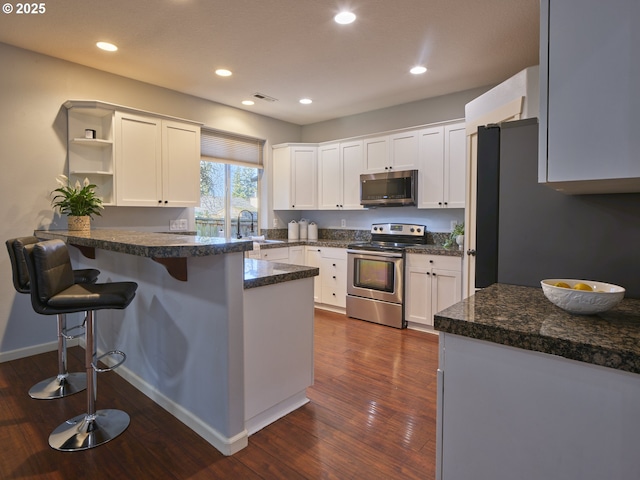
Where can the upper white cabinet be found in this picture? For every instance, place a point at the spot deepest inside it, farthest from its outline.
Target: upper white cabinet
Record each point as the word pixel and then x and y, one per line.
pixel 294 177
pixel 398 151
pixel 442 166
pixel 91 155
pixel 157 162
pixel 339 168
pixel 136 158
pixel 588 112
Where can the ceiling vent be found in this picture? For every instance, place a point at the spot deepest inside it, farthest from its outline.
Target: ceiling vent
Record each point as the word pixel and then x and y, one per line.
pixel 262 96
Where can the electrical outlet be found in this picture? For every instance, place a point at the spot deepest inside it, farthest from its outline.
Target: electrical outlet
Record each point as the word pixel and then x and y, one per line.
pixel 275 223
pixel 453 224
pixel 343 222
pixel 178 225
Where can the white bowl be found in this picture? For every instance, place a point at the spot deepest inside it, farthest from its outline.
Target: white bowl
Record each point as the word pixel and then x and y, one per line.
pixel 604 296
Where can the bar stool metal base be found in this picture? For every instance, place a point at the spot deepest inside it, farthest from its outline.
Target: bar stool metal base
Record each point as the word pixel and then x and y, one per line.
pixel 87 431
pixel 59 386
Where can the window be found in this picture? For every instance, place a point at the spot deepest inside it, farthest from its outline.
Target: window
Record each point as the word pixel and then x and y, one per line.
pixel 230 172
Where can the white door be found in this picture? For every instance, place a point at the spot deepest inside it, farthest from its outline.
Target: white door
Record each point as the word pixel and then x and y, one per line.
pixel 351 156
pixel 180 164
pixel 507 112
pixel 138 160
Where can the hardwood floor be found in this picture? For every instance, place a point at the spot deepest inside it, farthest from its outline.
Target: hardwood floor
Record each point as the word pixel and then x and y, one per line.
pixel 371 416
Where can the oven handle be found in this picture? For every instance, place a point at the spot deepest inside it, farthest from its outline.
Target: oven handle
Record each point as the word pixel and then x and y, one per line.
pixel 376 253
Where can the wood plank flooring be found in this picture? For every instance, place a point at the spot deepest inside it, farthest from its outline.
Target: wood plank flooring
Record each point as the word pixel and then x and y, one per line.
pixel 371 416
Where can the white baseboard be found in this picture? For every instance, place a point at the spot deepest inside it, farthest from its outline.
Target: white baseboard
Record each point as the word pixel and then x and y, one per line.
pixel 276 412
pixel 33 350
pixel 225 445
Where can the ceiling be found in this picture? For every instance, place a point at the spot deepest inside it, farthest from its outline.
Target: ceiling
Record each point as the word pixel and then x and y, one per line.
pixel 289 49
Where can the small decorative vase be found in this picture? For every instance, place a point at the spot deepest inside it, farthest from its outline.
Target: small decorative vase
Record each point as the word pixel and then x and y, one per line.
pixel 79 224
pixel 460 241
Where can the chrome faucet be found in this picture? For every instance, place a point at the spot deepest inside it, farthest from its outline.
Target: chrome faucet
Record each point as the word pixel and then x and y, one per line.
pixel 239 215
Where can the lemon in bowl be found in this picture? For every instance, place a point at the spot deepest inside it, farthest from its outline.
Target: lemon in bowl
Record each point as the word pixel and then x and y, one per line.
pixel 584 297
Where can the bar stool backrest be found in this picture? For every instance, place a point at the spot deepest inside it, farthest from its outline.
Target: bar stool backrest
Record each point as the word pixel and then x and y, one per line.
pixel 15 246
pixel 50 271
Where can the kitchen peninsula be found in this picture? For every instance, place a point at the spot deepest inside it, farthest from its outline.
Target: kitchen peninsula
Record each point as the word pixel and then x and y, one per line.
pixel 206 337
pixel 529 391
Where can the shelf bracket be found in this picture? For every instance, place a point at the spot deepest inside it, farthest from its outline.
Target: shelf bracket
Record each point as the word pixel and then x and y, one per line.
pixel 88 252
pixel 176 266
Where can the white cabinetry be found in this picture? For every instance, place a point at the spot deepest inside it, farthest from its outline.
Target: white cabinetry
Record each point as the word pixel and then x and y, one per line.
pixel 275 254
pixel 92 158
pixel 434 282
pixel 339 168
pixel 136 158
pixel 297 255
pixel 398 151
pixel 330 287
pixel 442 167
pixel 589 110
pixel 157 161
pixel 314 259
pixel 294 177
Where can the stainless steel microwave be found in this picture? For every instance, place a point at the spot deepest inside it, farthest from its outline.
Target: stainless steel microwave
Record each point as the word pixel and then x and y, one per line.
pixel 389 189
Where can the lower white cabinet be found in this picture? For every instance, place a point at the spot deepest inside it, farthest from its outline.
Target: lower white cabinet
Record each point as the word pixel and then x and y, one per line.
pixel 275 254
pixel 433 283
pixel 331 285
pixel 296 255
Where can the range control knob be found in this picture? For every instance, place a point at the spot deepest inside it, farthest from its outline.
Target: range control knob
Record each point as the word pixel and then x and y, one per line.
pixel 419 230
pixel 412 230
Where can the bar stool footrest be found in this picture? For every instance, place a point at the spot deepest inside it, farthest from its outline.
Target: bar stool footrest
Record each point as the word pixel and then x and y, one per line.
pixel 109 354
pixel 71 337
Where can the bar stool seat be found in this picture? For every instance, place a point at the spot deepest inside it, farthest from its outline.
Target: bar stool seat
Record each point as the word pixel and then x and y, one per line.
pixel 64 383
pixel 53 291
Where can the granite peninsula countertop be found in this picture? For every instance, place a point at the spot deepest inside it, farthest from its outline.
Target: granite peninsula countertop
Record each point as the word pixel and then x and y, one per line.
pixel 148 244
pixel 522 317
pixel 258 273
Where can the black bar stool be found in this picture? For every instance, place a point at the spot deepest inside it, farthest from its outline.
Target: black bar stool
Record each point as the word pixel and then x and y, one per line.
pixel 53 291
pixel 65 383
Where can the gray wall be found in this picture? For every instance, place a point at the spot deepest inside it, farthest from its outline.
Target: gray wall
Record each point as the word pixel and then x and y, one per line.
pixel 423 112
pixel 33 88
pixel 33 134
pixel 546 234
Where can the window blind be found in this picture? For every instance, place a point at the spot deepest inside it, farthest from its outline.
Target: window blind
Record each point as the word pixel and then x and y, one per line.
pixel 216 146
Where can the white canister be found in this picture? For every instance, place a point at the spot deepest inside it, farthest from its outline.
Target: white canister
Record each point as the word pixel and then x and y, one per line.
pixel 294 230
pixel 313 231
pixel 304 228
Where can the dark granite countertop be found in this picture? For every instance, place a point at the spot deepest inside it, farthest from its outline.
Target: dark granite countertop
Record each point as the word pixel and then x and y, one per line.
pixel 419 249
pixel 148 244
pixel 522 317
pixel 258 273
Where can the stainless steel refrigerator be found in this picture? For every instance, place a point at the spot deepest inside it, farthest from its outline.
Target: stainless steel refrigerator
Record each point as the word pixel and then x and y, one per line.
pixel 527 231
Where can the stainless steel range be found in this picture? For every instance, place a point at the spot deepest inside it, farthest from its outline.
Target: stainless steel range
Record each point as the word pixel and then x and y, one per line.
pixel 375 273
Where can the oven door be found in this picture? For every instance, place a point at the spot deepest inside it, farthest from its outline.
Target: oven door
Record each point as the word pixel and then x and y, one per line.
pixel 375 275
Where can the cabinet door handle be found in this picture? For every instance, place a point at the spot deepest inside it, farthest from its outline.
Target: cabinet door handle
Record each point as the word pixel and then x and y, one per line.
pixel 334 277
pixel 446 203
pixel 428 273
pixel 159 201
pixel 166 201
pixel 334 264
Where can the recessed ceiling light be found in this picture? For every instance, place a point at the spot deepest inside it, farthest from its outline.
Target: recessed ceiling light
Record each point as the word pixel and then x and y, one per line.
pixel 223 72
pixel 418 70
pixel 344 18
pixel 248 102
pixel 306 101
pixel 109 47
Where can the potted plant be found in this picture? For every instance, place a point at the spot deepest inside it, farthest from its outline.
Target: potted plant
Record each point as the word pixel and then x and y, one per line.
pixel 79 202
pixel 456 237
